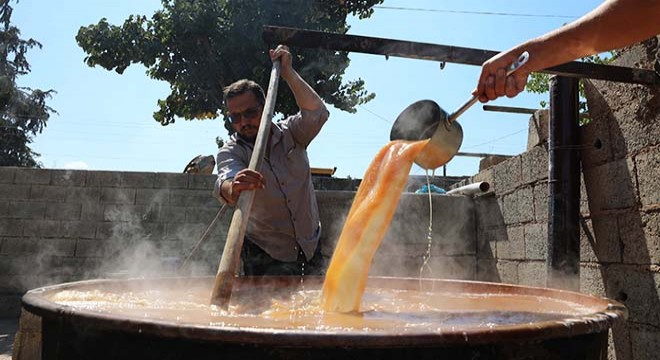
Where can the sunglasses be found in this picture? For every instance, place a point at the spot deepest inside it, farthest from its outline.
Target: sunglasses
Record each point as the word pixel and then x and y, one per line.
pixel 248 114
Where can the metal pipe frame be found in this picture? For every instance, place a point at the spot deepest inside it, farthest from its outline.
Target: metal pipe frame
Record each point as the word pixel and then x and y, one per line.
pixel 443 53
pixel 563 258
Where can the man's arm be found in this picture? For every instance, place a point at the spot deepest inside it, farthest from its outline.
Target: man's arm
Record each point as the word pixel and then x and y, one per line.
pixel 306 97
pixel 612 25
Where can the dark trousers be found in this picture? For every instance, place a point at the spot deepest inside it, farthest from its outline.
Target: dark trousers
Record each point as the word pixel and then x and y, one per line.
pixel 257 262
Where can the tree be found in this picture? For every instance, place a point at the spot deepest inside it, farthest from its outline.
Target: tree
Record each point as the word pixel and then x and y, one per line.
pixel 23 111
pixel 200 46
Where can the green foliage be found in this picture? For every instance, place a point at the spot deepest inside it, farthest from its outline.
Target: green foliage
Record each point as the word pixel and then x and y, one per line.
pixel 200 46
pixel 539 83
pixel 23 111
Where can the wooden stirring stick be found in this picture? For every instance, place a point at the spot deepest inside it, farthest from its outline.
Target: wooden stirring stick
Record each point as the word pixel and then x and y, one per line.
pixel 227 270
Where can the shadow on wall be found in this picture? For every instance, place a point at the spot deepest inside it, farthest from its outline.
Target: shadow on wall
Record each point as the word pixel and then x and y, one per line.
pixel 490 229
pixel 623 229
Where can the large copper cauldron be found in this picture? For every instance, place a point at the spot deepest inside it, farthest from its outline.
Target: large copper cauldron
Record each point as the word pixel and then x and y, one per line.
pixel 69 332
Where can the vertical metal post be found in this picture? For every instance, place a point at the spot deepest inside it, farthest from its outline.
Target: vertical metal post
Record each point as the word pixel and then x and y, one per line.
pixel 563 261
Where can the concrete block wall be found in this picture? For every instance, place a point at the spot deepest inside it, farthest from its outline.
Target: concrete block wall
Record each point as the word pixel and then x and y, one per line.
pixel 59 225
pixel 620 207
pixel 62 225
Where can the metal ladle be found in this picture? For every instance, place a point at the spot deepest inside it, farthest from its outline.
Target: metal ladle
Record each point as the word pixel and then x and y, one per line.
pixel 425 119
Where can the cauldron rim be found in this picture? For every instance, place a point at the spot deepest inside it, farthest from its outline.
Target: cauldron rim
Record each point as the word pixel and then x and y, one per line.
pixel 611 312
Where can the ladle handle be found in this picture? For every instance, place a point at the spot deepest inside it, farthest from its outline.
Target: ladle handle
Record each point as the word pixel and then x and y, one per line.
pixel 522 60
pixel 231 255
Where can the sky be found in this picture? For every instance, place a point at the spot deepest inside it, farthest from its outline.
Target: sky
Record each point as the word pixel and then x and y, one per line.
pixel 104 120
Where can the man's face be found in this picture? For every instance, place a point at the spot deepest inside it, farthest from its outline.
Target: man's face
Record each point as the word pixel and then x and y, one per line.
pixel 245 114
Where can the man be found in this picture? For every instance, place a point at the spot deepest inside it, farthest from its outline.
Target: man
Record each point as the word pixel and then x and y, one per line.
pixel 612 25
pixel 284 229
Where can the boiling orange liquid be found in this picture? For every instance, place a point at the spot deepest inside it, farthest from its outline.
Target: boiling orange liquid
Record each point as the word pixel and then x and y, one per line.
pixel 393 311
pixel 366 224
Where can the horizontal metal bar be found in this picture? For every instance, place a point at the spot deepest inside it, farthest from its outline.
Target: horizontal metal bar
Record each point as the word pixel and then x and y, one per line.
pixel 435 52
pixel 481 155
pixel 510 109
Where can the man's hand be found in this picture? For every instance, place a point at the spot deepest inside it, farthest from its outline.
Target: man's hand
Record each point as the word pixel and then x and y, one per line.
pixel 282 52
pixel 245 179
pixel 493 81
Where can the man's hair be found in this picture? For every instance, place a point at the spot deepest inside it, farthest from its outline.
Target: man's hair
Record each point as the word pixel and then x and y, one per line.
pixel 243 86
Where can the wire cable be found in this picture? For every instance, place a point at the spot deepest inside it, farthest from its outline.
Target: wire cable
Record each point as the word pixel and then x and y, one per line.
pixel 400 8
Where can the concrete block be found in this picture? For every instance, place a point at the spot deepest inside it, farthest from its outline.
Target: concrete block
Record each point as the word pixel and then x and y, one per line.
pixel 177 214
pixel 202 182
pixel 188 233
pixel 27 210
pixel 592 279
pixel 395 265
pixel 78 229
pixel 540 194
pixel 4 209
pixel 201 215
pixel 14 192
pixel 89 248
pixel 639 233
pixel 152 196
pixel 454 231
pixel 68 177
pixel 26 246
pixel 518 207
pixel 508 271
pixel 513 246
pixel 18 284
pixel 63 211
pixel 611 186
pixel 171 181
pixel 7 174
pixel 451 267
pixel 647 165
pixel 91 211
pixel 487 241
pixel 118 196
pixel 630 111
pixel 48 193
pixel 143 180
pixel 32 176
pixel 119 230
pixel 489 161
pixel 619 343
pixel 192 198
pixel 636 287
pixel 103 179
pixel 118 213
pixel 537 132
pixel 599 239
pixel 488 212
pixel 532 273
pixel 10 305
pixel 507 175
pixel 644 342
pixel 584 199
pixel 43 229
pixel 83 194
pixel 487 270
pixel 11 227
pixel 535 165
pixel 536 241
pixel 595 140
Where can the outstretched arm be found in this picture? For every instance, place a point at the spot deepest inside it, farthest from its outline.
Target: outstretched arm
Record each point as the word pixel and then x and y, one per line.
pixel 306 97
pixel 612 25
